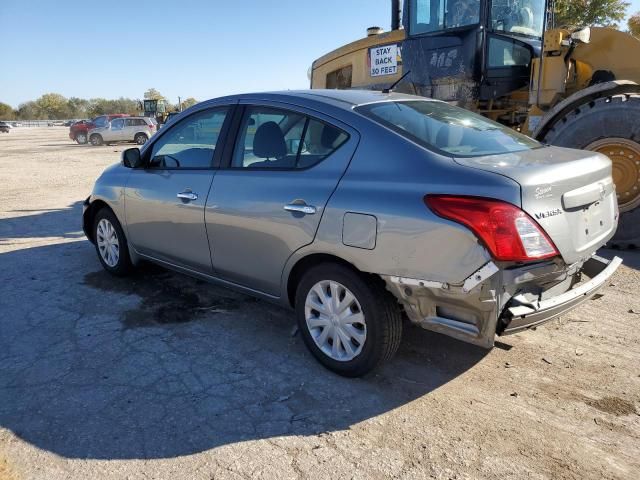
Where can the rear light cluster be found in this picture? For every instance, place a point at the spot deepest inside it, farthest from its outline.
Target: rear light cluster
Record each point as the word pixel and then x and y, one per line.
pixel 508 232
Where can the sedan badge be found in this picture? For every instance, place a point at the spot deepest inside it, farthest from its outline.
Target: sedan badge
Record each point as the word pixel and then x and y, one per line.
pixel 548 213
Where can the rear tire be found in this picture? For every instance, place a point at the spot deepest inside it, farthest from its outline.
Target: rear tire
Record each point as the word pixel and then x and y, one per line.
pixel 111 244
pixel 96 140
pixel 365 341
pixel 81 138
pixel 140 138
pixel 609 125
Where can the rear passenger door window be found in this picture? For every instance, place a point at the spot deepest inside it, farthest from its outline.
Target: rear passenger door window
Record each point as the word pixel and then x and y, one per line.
pixel 191 143
pixel 271 138
pixel 117 124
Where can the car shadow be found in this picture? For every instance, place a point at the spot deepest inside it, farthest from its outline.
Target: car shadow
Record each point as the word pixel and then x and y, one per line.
pixel 630 257
pixel 62 222
pixel 159 365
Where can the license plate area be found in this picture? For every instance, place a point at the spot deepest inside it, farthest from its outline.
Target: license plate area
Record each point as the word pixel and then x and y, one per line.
pixel 592 222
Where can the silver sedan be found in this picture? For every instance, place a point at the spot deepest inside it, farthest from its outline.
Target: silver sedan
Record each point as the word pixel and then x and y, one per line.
pixel 356 208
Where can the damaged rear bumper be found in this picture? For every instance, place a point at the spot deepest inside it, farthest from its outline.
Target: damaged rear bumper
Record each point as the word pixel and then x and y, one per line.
pixel 521 314
pixel 494 301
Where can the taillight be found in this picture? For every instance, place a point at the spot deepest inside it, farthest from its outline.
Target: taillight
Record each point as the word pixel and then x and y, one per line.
pixel 508 232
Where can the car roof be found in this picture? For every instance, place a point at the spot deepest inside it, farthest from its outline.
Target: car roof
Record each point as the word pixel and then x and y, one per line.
pixel 345 99
pixel 352 97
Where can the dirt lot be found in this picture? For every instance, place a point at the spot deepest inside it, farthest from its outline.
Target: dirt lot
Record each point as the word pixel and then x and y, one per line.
pixel 162 376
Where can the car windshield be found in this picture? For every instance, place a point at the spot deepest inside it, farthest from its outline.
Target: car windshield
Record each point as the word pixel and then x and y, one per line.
pixel 99 121
pixel 523 17
pixel 451 130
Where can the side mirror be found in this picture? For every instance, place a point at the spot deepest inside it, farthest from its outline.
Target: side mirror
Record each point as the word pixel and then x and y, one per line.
pixel 131 158
pixel 582 36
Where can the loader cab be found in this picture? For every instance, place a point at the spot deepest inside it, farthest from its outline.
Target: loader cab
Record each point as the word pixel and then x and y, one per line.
pixel 468 50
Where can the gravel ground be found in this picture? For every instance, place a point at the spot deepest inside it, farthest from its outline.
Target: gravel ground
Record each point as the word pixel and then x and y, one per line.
pixel 163 376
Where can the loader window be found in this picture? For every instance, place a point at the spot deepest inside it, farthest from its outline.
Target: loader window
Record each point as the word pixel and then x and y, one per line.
pixel 504 52
pixel 340 78
pixel 434 15
pixel 519 17
pixel 450 130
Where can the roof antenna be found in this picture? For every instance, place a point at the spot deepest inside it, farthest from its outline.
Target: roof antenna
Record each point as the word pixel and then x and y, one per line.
pixel 390 89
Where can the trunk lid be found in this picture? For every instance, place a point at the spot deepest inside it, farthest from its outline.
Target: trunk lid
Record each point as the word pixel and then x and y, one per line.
pixel 570 193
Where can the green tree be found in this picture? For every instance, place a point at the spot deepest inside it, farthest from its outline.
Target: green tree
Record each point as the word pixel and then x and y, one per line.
pixel 153 94
pixel 101 106
pixel 6 112
pixel 77 107
pixel 29 111
pixel 634 24
pixel 53 106
pixel 589 12
pixel 189 102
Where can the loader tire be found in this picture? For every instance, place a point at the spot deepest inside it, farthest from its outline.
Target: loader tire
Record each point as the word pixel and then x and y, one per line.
pixel 609 125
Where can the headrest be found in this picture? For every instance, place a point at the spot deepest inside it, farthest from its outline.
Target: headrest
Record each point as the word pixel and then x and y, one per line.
pixel 268 142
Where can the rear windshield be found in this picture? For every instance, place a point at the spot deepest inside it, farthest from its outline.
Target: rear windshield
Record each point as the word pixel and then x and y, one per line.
pixel 451 130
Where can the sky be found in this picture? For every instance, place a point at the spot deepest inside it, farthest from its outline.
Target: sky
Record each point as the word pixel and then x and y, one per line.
pixel 188 48
pixel 201 49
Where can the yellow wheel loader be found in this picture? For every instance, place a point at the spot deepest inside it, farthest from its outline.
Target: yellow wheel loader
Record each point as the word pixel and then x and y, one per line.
pixel 570 87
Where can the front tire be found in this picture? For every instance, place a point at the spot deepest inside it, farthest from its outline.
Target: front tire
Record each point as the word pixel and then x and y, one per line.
pixel 350 323
pixel 96 140
pixel 111 244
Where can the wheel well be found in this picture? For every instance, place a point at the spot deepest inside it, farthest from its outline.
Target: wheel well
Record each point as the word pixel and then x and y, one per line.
pixel 89 216
pixel 304 264
pixel 140 133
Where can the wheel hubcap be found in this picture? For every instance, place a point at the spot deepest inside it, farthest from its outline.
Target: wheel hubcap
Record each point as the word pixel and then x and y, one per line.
pixel 625 156
pixel 335 320
pixel 108 244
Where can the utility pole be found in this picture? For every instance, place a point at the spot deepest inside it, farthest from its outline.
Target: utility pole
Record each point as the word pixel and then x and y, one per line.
pixel 179 104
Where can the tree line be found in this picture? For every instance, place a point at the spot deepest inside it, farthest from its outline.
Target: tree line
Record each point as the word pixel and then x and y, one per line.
pixel 53 106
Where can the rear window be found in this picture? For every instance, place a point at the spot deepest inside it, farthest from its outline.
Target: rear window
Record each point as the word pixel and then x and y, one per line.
pixel 451 130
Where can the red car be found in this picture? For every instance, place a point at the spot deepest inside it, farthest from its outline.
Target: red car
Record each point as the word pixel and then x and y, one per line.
pixel 78 131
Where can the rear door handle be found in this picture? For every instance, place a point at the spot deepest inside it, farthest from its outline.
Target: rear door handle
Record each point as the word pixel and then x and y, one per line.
pixel 188 196
pixel 300 208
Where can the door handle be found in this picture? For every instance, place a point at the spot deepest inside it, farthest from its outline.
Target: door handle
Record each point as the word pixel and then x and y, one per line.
pixel 188 196
pixel 300 208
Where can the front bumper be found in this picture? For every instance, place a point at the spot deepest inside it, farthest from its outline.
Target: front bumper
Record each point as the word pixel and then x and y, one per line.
pixel 521 314
pixel 493 301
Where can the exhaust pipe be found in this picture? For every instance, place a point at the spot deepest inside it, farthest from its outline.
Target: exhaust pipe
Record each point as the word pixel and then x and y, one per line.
pixel 395 14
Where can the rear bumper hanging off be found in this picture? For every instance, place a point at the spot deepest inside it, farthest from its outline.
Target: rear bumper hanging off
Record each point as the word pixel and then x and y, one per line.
pixel 521 314
pixel 477 310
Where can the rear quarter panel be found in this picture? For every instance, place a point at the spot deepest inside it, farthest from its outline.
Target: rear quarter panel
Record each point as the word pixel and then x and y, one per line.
pixel 388 178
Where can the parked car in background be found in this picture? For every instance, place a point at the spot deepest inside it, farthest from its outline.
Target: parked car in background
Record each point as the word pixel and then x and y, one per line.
pixel 16 124
pixel 79 130
pixel 124 129
pixel 5 127
pixel 358 207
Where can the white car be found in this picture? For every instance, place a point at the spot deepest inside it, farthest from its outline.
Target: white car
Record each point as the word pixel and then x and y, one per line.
pixel 124 129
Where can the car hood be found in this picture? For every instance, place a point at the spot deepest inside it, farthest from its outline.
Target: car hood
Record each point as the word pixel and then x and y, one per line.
pixel 570 193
